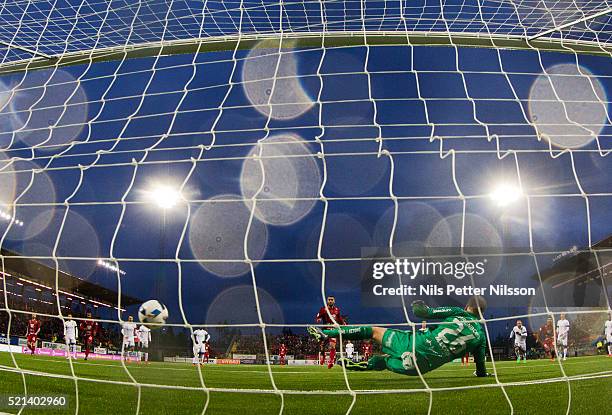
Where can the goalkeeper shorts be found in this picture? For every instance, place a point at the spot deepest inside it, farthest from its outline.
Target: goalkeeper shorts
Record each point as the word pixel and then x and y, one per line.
pixel 396 342
pixel 398 345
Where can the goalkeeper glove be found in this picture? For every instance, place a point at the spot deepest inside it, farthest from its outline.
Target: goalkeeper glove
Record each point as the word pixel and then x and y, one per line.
pixel 419 308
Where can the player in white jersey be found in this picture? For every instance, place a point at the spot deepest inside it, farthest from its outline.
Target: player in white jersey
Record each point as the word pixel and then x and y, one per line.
pixel 349 349
pixel 200 338
pixel 144 337
pixel 70 336
pixel 128 330
pixel 519 332
pixel 608 333
pixel 563 327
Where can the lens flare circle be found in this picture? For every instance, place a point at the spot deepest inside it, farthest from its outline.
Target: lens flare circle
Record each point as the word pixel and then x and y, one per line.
pixel 280 99
pixel 291 174
pixel 217 231
pixel 568 106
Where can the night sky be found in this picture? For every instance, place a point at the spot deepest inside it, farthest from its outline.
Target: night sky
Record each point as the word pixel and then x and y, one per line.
pixel 136 129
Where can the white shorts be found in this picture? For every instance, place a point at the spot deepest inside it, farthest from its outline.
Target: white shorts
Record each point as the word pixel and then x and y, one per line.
pixel 562 339
pixel 609 338
pixel 199 348
pixel 70 339
pixel 128 342
pixel 522 346
pixel 349 355
pixel 144 345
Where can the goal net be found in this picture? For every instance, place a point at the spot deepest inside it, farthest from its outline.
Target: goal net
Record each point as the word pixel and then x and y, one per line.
pixel 242 161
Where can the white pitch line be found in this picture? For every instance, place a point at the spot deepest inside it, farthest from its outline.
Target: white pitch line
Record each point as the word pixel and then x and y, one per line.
pixel 278 371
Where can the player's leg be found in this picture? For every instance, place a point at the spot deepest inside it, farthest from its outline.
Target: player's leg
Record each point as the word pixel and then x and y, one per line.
pixel 133 354
pixel 610 348
pixel 373 363
pixel 322 345
pixel 400 366
pixel 349 333
pixel 194 361
pixel 517 353
pixel 332 353
pixel 125 350
pixel 553 351
pixel 403 366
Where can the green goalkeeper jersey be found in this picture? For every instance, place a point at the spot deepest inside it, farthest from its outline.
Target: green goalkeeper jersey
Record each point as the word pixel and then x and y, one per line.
pixel 459 334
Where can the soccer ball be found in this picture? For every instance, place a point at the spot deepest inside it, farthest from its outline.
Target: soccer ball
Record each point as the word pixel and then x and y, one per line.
pixel 152 311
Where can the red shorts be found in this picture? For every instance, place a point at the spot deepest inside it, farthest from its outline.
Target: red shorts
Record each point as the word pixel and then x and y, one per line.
pixel 88 340
pixel 32 338
pixel 548 344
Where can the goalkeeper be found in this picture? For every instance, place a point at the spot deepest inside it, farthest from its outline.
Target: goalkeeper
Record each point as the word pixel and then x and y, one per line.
pixel 459 333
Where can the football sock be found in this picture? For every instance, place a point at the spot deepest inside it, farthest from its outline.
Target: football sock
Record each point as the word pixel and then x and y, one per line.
pixel 351 332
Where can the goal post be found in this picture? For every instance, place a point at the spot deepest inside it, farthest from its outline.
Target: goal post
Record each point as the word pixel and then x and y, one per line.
pixel 243 161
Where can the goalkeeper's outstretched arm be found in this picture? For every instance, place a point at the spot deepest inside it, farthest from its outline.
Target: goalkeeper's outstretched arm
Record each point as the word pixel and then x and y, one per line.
pixel 480 359
pixel 420 309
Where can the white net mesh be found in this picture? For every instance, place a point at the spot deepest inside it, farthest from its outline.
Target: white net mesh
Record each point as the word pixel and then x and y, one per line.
pixel 234 158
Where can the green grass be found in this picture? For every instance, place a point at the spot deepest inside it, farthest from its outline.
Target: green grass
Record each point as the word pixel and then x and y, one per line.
pixel 541 394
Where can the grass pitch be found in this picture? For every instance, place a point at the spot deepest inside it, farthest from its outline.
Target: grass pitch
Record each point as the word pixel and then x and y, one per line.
pixel 532 388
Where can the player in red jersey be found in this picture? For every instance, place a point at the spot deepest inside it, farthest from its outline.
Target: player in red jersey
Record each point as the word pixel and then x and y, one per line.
pixel 546 337
pixel 32 333
pixel 89 331
pixel 366 350
pixel 206 355
pixel 282 352
pixel 324 316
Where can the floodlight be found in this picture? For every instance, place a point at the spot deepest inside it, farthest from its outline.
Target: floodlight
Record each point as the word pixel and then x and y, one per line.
pixel 505 194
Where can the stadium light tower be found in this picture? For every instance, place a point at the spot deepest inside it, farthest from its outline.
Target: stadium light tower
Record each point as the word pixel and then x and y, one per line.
pixel 505 194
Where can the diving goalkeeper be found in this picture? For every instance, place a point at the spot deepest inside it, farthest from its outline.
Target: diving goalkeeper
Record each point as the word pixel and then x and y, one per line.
pixel 460 332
